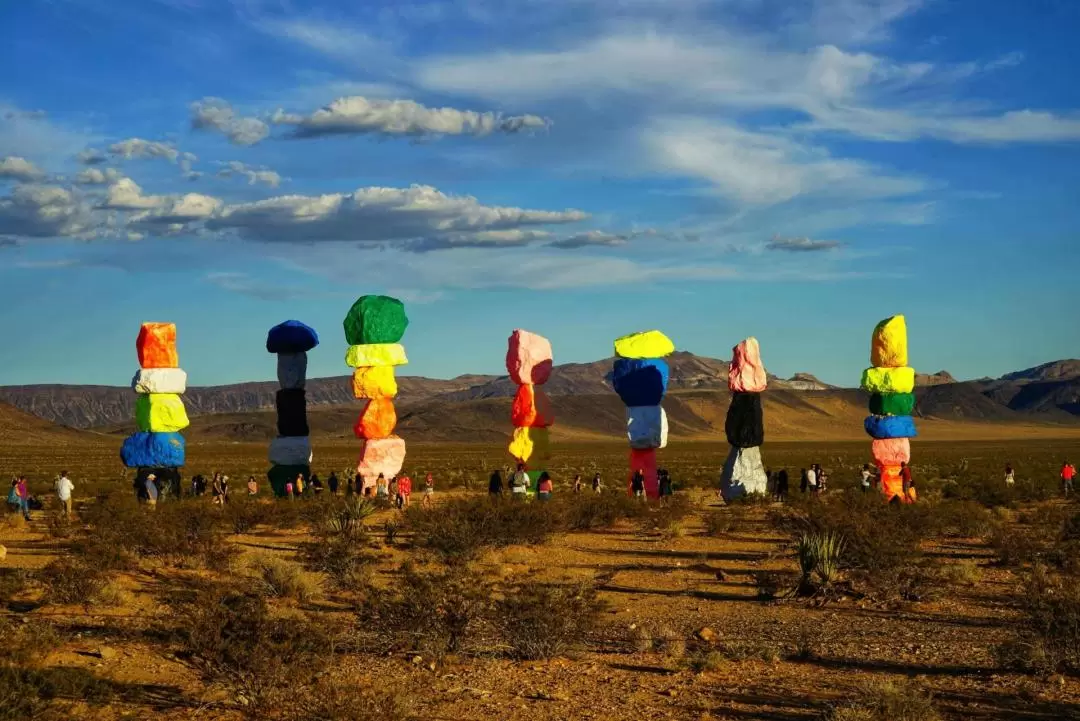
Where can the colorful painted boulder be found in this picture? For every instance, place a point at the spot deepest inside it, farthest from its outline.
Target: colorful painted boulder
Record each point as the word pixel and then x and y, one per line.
pixel 528 358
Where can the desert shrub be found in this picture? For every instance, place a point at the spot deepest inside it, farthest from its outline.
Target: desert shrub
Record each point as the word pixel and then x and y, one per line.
pixel 668 518
pixel 243 514
pixel 284 580
pixel 721 523
pixel 25 693
pixel 428 612
pixel 819 554
pixel 591 510
pixel 965 572
pixel 59 525
pixel 332 700
pixel 887 701
pixel 13 581
pixel 704 660
pixel 1048 636
pixel 460 529
pixel 68 581
pixel 390 532
pixel 539 621
pixel 342 559
pixel 768 585
pixel 346 517
pixel 963 519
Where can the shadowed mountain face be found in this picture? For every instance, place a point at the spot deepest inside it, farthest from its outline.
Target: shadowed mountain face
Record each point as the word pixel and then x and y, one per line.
pixel 477 407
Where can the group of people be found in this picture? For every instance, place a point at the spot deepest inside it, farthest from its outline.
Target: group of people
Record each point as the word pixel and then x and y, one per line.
pixel 518 482
pixel 20 499
pixel 398 489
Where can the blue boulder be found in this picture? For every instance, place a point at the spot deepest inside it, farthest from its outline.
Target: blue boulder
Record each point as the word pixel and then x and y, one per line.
pixel 640 381
pixel 292 336
pixel 882 427
pixel 153 450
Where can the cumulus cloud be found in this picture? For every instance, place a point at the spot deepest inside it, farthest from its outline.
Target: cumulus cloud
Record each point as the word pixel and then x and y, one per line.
pixel 20 169
pixel 91 156
pixel 44 211
pixel 357 115
pixel 253 175
pixel 97 176
pixel 376 215
pixel 159 210
pixel 125 194
pixel 514 237
pixel 218 115
pixel 801 245
pixel 139 148
pixel 764 169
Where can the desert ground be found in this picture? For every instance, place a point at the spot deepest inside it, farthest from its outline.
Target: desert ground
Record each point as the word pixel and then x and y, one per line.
pixel 963 606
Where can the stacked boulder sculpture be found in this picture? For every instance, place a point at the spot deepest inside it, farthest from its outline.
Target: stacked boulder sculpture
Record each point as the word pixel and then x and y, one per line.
pixel 159 411
pixel 374 327
pixel 529 362
pixel 891 384
pixel 745 425
pixel 640 377
pixel 290 453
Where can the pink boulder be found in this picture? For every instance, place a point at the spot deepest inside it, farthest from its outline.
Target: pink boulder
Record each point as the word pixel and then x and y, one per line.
pixel 380 455
pixel 747 373
pixel 891 451
pixel 528 358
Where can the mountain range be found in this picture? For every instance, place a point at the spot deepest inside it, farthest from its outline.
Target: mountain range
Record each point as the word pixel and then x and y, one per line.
pixel 476 407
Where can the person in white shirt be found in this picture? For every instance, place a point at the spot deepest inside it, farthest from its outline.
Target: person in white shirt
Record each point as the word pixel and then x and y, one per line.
pixel 519 482
pixel 151 491
pixel 865 477
pixel 64 487
pixel 811 479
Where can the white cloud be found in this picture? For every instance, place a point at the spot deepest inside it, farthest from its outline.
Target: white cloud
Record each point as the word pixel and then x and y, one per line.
pixel 20 169
pixel 159 210
pixel 377 215
pixel 44 211
pixel 125 194
pixel 358 115
pixel 346 44
pixel 97 176
pixel 514 237
pixel 1020 126
pixel 217 114
pixel 139 148
pixel 253 175
pixel 801 245
pixel 589 238
pixel 763 169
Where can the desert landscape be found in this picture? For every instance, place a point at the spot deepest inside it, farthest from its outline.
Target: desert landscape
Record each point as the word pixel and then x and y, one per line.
pixel 963 606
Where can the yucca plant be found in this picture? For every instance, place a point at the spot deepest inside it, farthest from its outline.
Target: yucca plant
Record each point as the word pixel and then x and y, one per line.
pixel 348 518
pixel 819 554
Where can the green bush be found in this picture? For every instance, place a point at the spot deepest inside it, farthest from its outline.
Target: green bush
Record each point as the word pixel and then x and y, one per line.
pixel 460 529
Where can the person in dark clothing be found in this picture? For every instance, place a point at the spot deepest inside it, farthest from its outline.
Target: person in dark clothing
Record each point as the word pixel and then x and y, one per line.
pixel 316 484
pixel 782 485
pixel 804 481
pixel 332 483
pixel 637 484
pixel 665 485
pixel 495 483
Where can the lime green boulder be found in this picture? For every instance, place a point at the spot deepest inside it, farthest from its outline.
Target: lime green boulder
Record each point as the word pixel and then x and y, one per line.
pixel 375 319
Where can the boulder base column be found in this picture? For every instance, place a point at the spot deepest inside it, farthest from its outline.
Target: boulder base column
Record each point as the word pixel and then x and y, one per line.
pixel 891 384
pixel 374 327
pixel 640 377
pixel 290 453
pixel 743 470
pixel 529 362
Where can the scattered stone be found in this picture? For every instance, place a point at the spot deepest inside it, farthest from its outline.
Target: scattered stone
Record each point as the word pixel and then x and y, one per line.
pixel 706 634
pixel 3 552
pixel 721 576
pixel 105 653
pixel 417 660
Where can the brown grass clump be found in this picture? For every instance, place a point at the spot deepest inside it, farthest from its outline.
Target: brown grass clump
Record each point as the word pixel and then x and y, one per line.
pixel 284 580
pixel 1048 636
pixel 538 621
pixel 887 701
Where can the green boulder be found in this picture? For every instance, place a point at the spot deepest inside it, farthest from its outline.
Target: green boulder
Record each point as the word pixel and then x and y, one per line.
pixel 375 319
pixel 892 404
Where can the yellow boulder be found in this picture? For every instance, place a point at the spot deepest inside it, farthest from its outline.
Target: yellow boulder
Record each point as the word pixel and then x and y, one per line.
pixel 374 382
pixel 888 380
pixel 531 445
pixel 888 345
pixel 376 354
pixel 160 413
pixel 646 344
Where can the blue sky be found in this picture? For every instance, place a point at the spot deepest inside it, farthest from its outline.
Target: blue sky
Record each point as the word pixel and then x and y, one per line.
pixel 793 171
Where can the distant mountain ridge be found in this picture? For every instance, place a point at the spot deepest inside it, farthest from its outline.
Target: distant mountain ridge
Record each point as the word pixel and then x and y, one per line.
pixel 1049 392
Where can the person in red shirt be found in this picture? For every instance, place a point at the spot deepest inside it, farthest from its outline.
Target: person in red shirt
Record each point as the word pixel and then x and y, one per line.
pixel 404 491
pixel 1068 473
pixel 909 485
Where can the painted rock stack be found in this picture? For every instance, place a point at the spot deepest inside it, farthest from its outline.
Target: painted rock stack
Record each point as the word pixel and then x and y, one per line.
pixel 745 425
pixel 159 411
pixel 529 362
pixel 640 377
pixel 374 327
pixel 891 384
pixel 290 452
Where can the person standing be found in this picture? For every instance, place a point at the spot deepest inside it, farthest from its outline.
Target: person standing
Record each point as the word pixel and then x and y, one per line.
pixel 1010 476
pixel 577 483
pixel 519 482
pixel 316 484
pixel 907 485
pixel 382 488
pixel 495 484
pixel 404 491
pixel 544 487
pixel 804 481
pixel 822 478
pixel 224 490
pixel 289 491
pixel 864 478
pixel 666 491
pixel 637 484
pixel 215 488
pixel 64 487
pixel 1068 473
pixel 429 491
pixel 298 485
pixel 151 491
pixel 252 486
pixel 811 479
pixel 22 492
pixel 782 485
pixel 596 487
pixel 332 483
